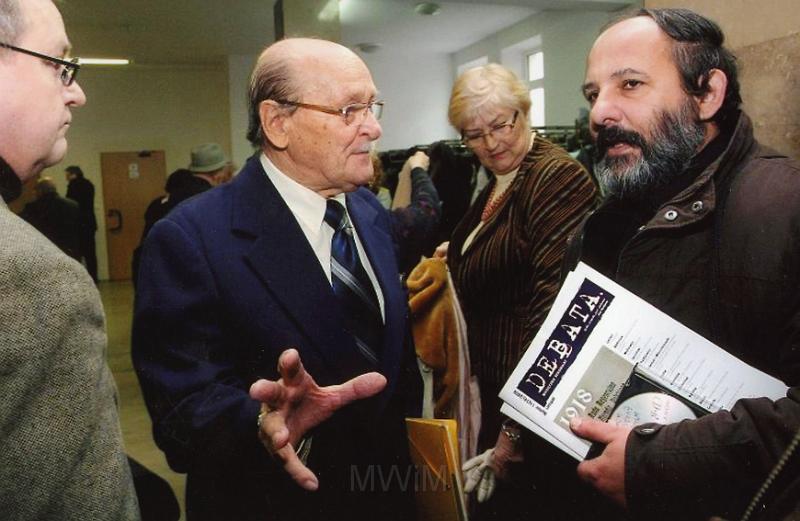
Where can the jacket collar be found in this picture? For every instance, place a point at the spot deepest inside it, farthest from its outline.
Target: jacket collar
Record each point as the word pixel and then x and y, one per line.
pixel 486 230
pixel 699 199
pixel 10 184
pixel 285 263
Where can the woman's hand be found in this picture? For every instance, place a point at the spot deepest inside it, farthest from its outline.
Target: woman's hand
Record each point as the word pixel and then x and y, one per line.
pixel 441 251
pixel 506 451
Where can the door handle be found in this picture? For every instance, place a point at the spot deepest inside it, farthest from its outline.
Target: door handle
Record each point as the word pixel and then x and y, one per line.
pixel 115 213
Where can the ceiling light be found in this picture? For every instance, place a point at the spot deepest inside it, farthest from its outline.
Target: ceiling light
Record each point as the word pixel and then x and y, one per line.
pixel 427 8
pixel 103 61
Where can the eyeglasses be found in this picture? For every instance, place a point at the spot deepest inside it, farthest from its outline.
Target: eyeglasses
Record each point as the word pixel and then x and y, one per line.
pixel 68 72
pixel 355 112
pixel 497 132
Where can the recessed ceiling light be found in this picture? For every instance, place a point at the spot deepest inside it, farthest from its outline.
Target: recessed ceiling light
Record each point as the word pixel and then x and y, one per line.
pixel 103 61
pixel 427 8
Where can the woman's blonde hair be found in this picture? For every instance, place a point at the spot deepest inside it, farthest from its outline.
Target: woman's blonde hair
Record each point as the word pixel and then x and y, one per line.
pixel 488 85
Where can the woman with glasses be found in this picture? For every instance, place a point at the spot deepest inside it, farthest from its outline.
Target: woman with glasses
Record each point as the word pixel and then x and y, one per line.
pixel 505 257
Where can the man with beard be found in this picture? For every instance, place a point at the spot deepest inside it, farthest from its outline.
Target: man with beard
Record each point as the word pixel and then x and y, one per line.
pixel 702 222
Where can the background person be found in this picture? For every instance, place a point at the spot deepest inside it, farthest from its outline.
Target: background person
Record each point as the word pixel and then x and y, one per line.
pixel 210 166
pixel 415 211
pixel 56 217
pixel 505 254
pixel 81 190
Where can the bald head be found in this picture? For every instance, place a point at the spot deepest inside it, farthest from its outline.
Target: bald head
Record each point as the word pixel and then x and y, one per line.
pixel 291 68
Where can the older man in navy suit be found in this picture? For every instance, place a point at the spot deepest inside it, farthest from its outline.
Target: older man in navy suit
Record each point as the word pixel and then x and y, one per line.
pixel 291 254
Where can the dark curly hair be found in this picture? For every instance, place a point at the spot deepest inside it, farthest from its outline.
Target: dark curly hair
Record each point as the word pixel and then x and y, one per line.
pixel 697 49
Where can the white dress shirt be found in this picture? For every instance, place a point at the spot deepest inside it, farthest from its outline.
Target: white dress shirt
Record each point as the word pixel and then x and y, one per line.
pixel 308 208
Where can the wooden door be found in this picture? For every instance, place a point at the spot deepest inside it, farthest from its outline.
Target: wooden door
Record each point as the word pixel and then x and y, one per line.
pixel 130 181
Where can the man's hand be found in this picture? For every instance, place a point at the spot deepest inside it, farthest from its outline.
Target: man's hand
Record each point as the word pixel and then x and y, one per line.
pixel 295 403
pixel 607 471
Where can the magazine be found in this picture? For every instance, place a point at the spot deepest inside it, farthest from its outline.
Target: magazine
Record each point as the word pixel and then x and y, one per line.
pixel 596 333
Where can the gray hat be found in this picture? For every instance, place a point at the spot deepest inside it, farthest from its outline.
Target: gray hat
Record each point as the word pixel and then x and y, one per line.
pixel 207 158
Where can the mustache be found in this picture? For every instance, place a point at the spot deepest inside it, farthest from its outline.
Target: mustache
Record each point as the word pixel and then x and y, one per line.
pixel 607 137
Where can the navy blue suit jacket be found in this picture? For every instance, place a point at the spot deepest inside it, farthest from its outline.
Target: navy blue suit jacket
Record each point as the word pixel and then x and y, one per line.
pixel 227 282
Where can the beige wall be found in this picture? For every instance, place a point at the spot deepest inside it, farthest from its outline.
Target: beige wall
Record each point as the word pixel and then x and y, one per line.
pixel 565 38
pixel 130 109
pixel 765 36
pixel 745 22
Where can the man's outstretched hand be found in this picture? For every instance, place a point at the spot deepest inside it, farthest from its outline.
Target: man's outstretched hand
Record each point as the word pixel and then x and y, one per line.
pixel 295 403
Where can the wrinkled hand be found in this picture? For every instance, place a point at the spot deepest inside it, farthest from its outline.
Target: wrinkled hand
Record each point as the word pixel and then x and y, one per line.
pixel 295 403
pixel 418 160
pixel 606 472
pixel 505 453
pixel 482 471
pixel 478 475
pixel 441 251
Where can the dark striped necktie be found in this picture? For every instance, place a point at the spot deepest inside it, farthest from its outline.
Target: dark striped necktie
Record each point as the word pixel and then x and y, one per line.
pixel 352 286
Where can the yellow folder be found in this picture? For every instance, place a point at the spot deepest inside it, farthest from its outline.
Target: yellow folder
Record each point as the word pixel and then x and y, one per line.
pixel 439 491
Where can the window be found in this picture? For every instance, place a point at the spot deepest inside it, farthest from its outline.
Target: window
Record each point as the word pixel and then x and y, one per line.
pixel 534 65
pixel 537 107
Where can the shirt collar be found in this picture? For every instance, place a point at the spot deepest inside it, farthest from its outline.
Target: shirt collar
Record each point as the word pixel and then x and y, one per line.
pixel 307 206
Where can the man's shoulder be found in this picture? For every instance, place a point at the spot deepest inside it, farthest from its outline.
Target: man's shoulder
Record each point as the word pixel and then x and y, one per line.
pixel 768 174
pixel 364 196
pixel 69 204
pixel 27 254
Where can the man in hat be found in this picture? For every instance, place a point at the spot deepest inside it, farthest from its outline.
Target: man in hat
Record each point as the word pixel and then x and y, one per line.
pixel 60 438
pixel 209 164
pixel 294 252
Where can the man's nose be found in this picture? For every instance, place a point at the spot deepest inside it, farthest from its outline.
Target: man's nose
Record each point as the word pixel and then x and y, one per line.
pixel 75 95
pixel 605 111
pixel 371 127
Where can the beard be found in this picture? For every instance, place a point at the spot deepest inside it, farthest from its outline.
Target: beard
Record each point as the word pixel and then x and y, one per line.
pixel 675 137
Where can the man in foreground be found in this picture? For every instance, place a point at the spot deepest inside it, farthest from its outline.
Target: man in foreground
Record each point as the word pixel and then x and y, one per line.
pixel 291 253
pixel 61 445
pixel 702 222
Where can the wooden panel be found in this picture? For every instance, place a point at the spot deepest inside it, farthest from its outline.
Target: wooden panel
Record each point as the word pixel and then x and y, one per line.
pixel 130 181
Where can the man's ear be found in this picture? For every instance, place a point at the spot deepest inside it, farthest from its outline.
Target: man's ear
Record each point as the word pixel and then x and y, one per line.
pixel 273 123
pixel 709 103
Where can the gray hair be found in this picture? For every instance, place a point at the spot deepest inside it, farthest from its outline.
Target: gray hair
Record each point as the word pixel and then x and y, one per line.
pixel 488 85
pixel 12 23
pixel 271 80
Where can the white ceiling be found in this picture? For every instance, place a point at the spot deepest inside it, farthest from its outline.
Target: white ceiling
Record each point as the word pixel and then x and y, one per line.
pixel 205 31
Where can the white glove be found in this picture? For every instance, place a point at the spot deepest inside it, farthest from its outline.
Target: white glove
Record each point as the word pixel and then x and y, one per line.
pixel 478 473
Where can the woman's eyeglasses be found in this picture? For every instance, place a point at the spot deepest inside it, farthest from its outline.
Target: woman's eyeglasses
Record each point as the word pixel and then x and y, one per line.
pixel 500 131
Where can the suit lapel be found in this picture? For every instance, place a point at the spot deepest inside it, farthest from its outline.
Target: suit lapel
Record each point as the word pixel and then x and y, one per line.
pixel 288 267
